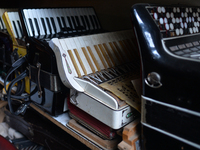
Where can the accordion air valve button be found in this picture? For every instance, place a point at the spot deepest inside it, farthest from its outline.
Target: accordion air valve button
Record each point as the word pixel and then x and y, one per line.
pixel 153 80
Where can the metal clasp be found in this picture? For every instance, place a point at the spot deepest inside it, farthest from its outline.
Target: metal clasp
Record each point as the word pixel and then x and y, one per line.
pixel 39 86
pixel 73 95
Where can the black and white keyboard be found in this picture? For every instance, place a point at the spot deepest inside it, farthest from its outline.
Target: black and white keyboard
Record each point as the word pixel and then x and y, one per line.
pixel 14 20
pixel 49 22
pixel 2 24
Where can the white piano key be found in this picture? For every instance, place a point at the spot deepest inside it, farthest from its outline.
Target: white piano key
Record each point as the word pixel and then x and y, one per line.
pixel 121 50
pixel 65 45
pixel 37 16
pixel 2 22
pixel 71 47
pixel 17 20
pixel 18 24
pixel 95 39
pixel 79 44
pixel 70 14
pixel 86 12
pixel 11 18
pixel 76 11
pixel 42 15
pixel 89 41
pixel 59 14
pixel 81 13
pixel 53 14
pixel 106 41
pixel 103 38
pixel 91 18
pixel 65 14
pixel 73 13
pixel 130 49
pixel 93 14
pixel 32 16
pixel 1 19
pixel 84 42
pixel 47 15
pixel 26 15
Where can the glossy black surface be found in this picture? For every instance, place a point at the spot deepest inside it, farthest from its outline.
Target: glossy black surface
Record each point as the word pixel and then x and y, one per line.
pixel 6 49
pixel 158 141
pixel 179 77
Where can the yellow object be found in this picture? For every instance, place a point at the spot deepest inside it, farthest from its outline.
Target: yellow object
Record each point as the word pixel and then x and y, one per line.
pixel 21 48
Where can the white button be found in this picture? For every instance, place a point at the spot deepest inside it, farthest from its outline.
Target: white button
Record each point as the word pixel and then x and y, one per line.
pixel 167 26
pixel 155 15
pixel 197 24
pixel 174 9
pixel 181 31
pixel 194 29
pixel 182 14
pixel 171 26
pixel 186 15
pixel 163 9
pixel 198 10
pixel 186 9
pixel 177 32
pixel 161 21
pixel 197 14
pixel 197 29
pixel 187 19
pixel 173 20
pixel 172 15
pixel 190 19
pixel 190 30
pixel 198 18
pixel 194 14
pixel 178 10
pixel 177 20
pixel 168 15
pixel 165 20
pixel 190 9
pixel 159 9
pixel 180 19
pixel 182 25
pixel 185 25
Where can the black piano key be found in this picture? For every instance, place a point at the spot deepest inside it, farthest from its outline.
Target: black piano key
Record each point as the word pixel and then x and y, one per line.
pixel 70 23
pixel 83 21
pixel 64 23
pixel 78 23
pixel 53 24
pixel 69 20
pixel 95 21
pixel 92 21
pixel 74 22
pixel 87 22
pixel 37 26
pixel 49 25
pixel 20 28
pixel 59 23
pixel 44 26
pixel 31 25
pixel 15 28
pixel 1 23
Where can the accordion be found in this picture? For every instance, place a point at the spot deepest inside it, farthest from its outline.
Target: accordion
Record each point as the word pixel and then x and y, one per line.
pixel 168 39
